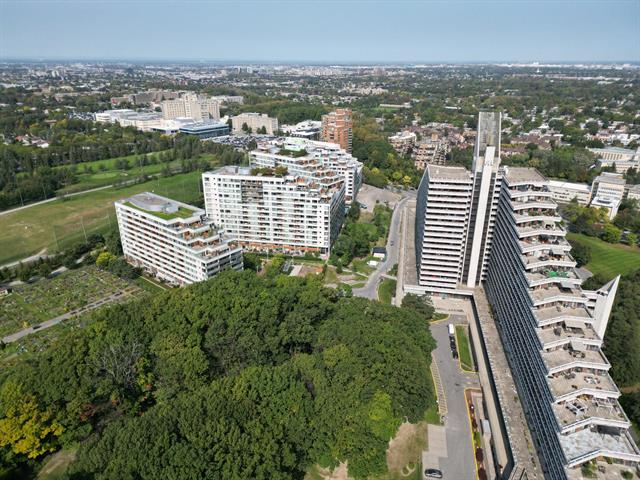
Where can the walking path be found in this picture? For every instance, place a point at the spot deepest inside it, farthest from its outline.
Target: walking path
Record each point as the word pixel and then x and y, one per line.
pixel 53 199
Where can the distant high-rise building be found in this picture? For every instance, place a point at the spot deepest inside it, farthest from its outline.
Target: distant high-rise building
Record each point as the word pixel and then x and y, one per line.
pixel 190 105
pixel 337 127
pixel 255 122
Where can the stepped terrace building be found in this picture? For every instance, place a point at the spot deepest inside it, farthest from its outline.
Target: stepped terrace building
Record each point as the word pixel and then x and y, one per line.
pixel 272 210
pixel 552 333
pixel 326 163
pixel 500 226
pixel 173 241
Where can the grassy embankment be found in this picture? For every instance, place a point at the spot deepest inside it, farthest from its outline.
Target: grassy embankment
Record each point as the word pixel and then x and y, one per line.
pixel 607 258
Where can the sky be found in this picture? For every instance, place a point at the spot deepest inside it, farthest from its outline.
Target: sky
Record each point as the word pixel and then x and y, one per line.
pixel 322 31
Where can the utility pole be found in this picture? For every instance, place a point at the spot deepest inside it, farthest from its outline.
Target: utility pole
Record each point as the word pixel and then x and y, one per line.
pixel 55 238
pixel 83 230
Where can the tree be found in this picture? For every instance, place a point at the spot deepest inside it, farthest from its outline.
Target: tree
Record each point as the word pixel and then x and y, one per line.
pixel 420 304
pixel 24 427
pixel 580 252
pixel 104 259
pixel 611 233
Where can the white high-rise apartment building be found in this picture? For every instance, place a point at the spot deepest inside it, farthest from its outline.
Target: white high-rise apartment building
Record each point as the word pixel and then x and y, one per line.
pixel 325 162
pixel 174 241
pixel 190 105
pixel 269 211
pixel 455 215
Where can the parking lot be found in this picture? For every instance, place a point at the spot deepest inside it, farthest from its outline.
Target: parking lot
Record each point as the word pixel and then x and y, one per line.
pixel 451 446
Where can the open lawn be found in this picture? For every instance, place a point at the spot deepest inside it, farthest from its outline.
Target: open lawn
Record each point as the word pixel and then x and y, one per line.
pixel 386 290
pixel 61 223
pixel 45 299
pixel 464 349
pixel 104 172
pixel 607 258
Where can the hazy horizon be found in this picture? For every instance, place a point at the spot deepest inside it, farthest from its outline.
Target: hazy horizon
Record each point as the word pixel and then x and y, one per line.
pixel 322 32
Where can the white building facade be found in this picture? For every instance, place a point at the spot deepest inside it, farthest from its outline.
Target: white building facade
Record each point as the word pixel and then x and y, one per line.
pixel 271 213
pixel 325 162
pixel 565 192
pixel 174 241
pixel 254 121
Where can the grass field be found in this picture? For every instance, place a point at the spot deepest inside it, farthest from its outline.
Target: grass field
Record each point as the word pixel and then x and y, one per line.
pixel 386 290
pixel 607 258
pixel 61 223
pixel 104 172
pixel 464 349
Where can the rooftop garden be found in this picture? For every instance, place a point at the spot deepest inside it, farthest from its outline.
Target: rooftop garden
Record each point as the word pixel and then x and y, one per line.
pixel 270 172
pixel 292 153
pixel 182 212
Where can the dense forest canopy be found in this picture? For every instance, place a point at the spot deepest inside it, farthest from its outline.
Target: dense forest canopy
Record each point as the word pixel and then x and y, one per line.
pixel 238 377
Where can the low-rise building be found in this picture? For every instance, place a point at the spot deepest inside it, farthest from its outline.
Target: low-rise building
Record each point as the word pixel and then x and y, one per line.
pixel 622 158
pixel 634 192
pixel 254 121
pixel 269 210
pixel 174 241
pixel 204 130
pixel 432 150
pixel 608 190
pixel 403 142
pixel 309 129
pixel 565 192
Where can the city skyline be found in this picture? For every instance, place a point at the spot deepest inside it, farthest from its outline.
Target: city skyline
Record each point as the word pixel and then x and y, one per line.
pixel 272 31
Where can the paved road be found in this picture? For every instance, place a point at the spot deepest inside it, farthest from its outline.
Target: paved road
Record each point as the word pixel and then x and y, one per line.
pixel 119 295
pixel 459 462
pixel 370 290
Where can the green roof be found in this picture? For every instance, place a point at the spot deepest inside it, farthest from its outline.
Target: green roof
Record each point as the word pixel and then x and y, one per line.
pixel 181 213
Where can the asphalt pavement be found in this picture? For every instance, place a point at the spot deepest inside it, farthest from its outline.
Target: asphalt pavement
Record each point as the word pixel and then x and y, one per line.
pixel 370 290
pixel 459 460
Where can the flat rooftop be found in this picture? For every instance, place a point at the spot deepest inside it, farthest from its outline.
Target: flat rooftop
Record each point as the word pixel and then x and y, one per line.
pixel 584 442
pixel 608 177
pixel 438 172
pixel 576 410
pixel 561 356
pixel 161 207
pixel 523 175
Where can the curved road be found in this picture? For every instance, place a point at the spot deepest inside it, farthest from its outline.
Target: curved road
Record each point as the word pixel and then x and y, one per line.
pixel 370 290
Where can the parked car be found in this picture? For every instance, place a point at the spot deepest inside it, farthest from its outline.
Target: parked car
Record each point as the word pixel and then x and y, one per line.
pixel 432 473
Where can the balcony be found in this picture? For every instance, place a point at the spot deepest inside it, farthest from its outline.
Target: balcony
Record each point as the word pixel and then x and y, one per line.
pixel 540 228
pixel 553 258
pixel 572 313
pixel 574 383
pixel 554 293
pixel 561 334
pixel 584 445
pixel 587 410
pixel 569 358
